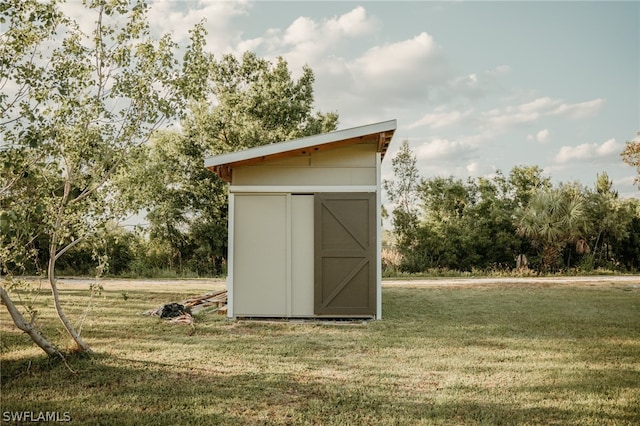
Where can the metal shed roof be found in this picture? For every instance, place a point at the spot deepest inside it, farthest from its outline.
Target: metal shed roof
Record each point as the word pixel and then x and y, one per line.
pixel 377 133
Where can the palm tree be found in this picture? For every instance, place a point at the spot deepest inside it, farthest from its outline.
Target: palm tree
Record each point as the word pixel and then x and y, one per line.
pixel 552 219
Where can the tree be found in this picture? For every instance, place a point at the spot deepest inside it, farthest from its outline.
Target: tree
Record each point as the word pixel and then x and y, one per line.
pixel 468 224
pixel 403 193
pixel 29 24
pixel 256 102
pixel 631 155
pixel 525 182
pixel 488 221
pixel 552 219
pixel 627 245
pixel 77 106
pixel 445 199
pixel 186 203
pixel 607 216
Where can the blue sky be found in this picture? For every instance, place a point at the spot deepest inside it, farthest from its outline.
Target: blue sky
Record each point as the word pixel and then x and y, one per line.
pixel 475 86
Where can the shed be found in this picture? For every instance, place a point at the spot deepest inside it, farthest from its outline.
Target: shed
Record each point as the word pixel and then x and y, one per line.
pixel 305 225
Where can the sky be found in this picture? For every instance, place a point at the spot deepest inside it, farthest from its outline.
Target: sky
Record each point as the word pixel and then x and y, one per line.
pixel 475 86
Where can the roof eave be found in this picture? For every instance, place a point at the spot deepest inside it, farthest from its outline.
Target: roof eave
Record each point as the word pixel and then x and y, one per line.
pixel 379 133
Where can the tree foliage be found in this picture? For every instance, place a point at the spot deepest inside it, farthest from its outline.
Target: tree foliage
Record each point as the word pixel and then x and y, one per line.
pixel 552 219
pixel 631 155
pixel 74 107
pixel 466 225
pixel 258 102
pixel 403 194
pixel 488 223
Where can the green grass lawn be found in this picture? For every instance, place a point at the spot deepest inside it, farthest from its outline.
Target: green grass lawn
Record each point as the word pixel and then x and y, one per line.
pixel 490 354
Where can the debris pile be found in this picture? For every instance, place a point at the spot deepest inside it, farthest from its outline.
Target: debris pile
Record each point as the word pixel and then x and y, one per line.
pixel 182 313
pixel 173 310
pixel 214 301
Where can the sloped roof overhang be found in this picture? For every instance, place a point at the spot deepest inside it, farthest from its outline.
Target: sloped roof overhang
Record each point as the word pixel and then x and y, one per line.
pixel 377 133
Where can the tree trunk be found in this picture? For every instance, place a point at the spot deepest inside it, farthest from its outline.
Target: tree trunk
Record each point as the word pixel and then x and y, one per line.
pixel 599 252
pixel 51 270
pixel 27 327
pixel 550 254
pixel 53 282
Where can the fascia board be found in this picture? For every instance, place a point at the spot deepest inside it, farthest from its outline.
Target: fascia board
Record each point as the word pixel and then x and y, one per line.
pixel 310 141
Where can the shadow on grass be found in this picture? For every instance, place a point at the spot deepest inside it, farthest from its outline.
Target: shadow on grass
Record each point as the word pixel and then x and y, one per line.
pixel 150 392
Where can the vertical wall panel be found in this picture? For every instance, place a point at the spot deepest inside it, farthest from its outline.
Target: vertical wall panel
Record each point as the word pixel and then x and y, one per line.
pixel 260 255
pixel 302 255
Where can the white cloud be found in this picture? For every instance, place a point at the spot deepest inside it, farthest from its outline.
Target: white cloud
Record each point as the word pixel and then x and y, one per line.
pixel 539 105
pixel 249 45
pixel 508 119
pixel 307 41
pixel 354 23
pixel 609 147
pixel 301 30
pixel 389 77
pixel 542 136
pixel 84 17
pixel 441 118
pixel 381 79
pixel 473 167
pixel 588 151
pixel 530 112
pixel 579 110
pixel 416 60
pixel 442 148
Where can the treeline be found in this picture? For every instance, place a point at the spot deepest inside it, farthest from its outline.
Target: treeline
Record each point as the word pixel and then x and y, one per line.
pixel 132 253
pixel 507 222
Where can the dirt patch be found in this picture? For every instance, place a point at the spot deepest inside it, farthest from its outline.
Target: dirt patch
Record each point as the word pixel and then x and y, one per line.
pixel 210 284
pixel 207 284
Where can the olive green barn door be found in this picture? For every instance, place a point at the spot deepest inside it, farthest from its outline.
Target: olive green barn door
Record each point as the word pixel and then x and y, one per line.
pixel 345 254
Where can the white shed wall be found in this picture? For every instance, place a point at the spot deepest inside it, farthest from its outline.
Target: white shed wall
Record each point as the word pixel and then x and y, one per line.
pixel 260 255
pixel 273 255
pixel 351 165
pixel 302 255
